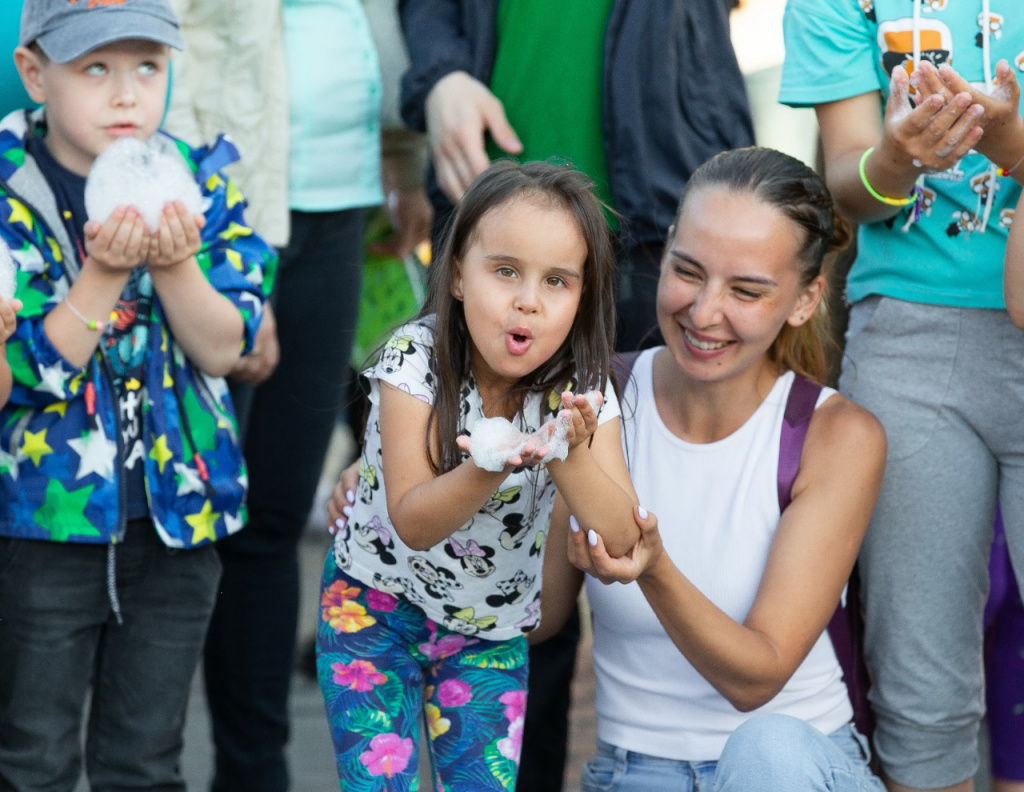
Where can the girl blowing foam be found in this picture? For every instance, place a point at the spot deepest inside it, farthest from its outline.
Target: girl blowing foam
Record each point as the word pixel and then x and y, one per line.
pixel 435 576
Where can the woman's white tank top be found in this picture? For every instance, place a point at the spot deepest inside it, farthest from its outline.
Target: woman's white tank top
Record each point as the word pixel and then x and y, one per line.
pixel 718 509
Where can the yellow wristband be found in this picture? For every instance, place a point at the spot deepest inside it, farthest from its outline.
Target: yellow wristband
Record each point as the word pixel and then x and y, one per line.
pixel 873 192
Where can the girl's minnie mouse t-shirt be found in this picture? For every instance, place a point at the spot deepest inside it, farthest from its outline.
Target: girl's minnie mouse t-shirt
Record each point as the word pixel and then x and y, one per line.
pixel 485 578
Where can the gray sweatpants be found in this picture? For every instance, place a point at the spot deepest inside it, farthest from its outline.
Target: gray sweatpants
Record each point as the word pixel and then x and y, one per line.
pixel 948 385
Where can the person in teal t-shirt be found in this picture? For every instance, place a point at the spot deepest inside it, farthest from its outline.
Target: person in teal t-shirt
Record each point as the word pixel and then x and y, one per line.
pixel 930 350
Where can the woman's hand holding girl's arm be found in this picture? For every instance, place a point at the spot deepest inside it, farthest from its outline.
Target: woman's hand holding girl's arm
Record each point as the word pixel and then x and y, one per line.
pixel 929 137
pixel 343 498
pixel 588 554
pixel 594 480
pixel 808 565
pixel 425 508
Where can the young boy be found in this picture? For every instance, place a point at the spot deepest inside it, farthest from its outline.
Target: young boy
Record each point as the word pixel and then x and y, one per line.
pixel 119 461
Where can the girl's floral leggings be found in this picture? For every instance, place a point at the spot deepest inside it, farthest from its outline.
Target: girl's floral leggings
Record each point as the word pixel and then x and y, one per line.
pixel 384 668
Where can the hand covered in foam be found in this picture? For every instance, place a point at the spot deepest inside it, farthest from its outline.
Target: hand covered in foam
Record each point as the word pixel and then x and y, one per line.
pixel 576 422
pixel 496 443
pixel 120 243
pixel 178 237
pixel 143 175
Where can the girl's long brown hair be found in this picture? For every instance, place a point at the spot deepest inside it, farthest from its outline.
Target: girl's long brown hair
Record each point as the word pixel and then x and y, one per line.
pixel 800 194
pixel 584 357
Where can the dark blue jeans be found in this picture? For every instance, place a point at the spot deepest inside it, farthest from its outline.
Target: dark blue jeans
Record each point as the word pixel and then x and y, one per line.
pixel 251 645
pixel 59 637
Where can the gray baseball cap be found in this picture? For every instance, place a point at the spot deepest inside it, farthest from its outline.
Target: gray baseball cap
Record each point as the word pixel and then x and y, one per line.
pixel 68 29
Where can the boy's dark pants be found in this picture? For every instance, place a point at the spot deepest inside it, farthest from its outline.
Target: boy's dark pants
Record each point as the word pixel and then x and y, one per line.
pixel 58 636
pixel 250 650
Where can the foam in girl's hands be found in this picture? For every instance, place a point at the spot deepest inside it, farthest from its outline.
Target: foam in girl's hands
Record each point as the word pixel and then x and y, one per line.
pixel 495 441
pixel 8 280
pixel 141 174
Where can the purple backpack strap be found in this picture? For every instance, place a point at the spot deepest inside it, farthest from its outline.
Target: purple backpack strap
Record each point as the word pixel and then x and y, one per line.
pixel 845 628
pixel 803 397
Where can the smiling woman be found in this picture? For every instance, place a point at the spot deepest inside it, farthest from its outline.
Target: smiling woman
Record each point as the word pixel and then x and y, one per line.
pixel 742 279
pixel 713 663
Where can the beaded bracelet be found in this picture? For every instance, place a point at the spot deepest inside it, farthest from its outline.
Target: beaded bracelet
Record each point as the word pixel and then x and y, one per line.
pixel 873 192
pixel 92 324
pixel 1008 171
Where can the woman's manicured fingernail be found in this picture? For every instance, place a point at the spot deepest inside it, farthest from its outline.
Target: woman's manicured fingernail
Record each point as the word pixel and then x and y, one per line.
pixel 592 537
pixel 642 512
pixel 574 524
pixel 351 496
pixel 346 510
pixel 340 523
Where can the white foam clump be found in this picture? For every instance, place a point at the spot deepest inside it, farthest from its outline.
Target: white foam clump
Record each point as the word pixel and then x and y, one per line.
pixel 142 174
pixel 495 441
pixel 8 279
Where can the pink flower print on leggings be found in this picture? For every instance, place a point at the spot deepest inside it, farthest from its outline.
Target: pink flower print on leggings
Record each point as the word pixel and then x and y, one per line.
pixel 515 710
pixel 388 755
pixel 361 675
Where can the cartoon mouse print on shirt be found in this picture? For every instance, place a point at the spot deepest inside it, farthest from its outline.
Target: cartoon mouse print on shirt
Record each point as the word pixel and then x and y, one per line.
pixel 465 621
pixel 475 560
pixel 438 582
pixel 395 352
pixel 375 537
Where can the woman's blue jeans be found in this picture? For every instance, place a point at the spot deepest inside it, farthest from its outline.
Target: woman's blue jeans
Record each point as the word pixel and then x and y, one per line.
pixel 768 752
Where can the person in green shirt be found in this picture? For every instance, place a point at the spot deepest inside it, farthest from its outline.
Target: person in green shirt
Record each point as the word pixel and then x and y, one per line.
pixel 635 97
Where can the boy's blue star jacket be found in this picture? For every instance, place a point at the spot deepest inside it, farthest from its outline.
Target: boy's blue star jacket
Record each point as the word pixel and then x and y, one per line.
pixel 61 469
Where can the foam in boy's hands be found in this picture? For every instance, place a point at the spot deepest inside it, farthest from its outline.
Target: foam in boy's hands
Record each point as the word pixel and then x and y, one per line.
pixel 8 280
pixel 141 174
pixel 495 441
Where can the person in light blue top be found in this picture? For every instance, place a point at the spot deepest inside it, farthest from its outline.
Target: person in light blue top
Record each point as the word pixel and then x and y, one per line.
pixel 333 177
pixel 919 109
pixel 332 170
pixel 334 158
